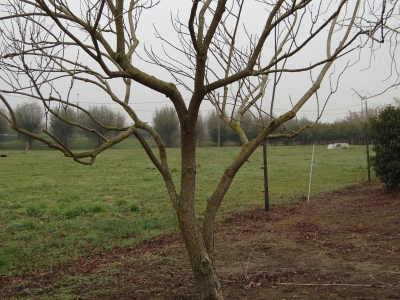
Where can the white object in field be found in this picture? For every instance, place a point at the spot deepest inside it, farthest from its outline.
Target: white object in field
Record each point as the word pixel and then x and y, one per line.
pixel 338 146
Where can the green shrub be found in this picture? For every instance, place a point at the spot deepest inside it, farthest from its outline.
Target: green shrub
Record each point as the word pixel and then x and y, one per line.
pixel 385 132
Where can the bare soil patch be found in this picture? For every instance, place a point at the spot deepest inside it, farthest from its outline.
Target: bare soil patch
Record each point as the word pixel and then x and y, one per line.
pixel 343 245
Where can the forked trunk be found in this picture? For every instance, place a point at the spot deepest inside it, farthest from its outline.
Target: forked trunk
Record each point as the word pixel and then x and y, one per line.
pixel 203 268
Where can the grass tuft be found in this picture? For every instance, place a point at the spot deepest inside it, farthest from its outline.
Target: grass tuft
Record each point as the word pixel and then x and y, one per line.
pixel 134 208
pixel 121 202
pixel 22 226
pixel 34 211
pixel 82 210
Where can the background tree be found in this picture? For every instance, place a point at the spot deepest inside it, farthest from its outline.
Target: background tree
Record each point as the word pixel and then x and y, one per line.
pixel 213 122
pixel 3 123
pixel 29 118
pixel 354 117
pixel 296 124
pixel 166 123
pixel 101 122
pixel 201 130
pixel 385 132
pixel 216 57
pixel 227 134
pixel 250 128
pixel 353 126
pixel 59 126
pixel 3 120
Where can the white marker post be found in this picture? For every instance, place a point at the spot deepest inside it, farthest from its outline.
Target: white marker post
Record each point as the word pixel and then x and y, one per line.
pixel 312 164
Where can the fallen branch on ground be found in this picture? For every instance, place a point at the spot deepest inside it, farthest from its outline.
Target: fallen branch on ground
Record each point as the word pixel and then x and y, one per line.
pixel 328 284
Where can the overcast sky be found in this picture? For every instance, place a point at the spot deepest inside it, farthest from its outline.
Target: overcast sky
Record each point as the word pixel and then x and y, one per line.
pixel 367 77
pixel 370 76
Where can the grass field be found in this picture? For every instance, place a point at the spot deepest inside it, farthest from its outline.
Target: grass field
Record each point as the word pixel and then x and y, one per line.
pixel 53 210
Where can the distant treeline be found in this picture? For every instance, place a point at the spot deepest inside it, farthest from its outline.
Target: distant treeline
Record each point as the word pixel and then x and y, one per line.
pixel 351 129
pixel 210 130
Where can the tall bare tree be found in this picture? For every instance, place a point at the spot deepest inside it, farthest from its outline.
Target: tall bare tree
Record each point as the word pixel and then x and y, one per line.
pixel 234 54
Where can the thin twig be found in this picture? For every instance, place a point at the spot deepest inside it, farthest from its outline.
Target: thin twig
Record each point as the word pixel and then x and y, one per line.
pixel 247 265
pixel 228 281
pixel 327 284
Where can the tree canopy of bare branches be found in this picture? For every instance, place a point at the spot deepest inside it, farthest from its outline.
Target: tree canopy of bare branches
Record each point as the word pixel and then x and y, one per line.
pixel 234 54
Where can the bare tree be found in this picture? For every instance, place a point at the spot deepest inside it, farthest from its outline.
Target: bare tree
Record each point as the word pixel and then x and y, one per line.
pixel 3 123
pixel 61 129
pixel 217 56
pixel 200 129
pixel 166 123
pixel 3 120
pixel 218 131
pixel 29 116
pixel 106 120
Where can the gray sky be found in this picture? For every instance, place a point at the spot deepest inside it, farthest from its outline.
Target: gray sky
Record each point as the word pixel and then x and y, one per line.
pixel 368 77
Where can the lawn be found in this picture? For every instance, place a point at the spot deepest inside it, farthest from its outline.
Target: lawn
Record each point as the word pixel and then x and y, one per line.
pixel 54 211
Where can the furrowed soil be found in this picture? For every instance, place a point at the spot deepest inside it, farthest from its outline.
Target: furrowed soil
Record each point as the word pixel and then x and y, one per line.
pixel 343 245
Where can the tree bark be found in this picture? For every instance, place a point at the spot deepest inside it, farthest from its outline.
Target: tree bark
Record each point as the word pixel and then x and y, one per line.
pixel 203 268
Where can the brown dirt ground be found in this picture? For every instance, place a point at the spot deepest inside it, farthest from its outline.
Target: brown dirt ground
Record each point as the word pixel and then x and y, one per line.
pixel 343 245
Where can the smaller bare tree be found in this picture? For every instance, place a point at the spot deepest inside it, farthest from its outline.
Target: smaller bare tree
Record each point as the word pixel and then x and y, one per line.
pixel 3 123
pixel 200 129
pixel 61 129
pixel 217 130
pixel 29 117
pixel 3 120
pixel 102 122
pixel 166 123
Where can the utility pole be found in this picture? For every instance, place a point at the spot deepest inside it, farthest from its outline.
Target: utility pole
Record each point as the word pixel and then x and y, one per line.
pixel 363 98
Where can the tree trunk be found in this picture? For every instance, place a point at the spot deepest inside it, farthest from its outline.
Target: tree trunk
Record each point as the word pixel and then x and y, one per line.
pixel 209 287
pixel 29 145
pixel 206 278
pixel 203 268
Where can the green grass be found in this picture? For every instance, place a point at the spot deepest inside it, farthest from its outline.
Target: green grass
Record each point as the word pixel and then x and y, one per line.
pixel 53 210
